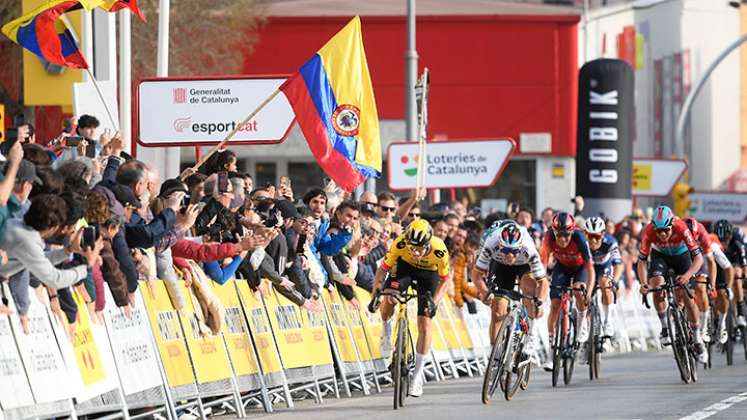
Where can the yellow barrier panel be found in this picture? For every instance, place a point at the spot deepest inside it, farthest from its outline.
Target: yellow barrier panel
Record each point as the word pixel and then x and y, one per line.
pixel 87 356
pixel 335 310
pixel 208 353
pixel 447 328
pixel 301 343
pixel 235 330
pixel 437 336
pixel 355 321
pixel 458 316
pixel 371 322
pixel 263 339
pixel 169 338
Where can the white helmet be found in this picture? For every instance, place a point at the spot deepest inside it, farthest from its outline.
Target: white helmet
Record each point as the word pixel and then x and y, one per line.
pixel 595 225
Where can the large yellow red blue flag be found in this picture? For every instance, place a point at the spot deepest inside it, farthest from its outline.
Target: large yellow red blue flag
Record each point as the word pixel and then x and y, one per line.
pixel 334 103
pixel 40 32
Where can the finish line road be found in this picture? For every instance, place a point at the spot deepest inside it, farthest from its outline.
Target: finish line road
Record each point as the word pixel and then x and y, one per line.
pixel 631 386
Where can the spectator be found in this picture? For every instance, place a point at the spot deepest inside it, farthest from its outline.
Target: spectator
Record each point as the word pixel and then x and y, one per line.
pixel 386 206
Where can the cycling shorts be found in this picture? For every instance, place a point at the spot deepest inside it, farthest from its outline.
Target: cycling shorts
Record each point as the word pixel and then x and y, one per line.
pixel 506 276
pixel 721 278
pixel 661 263
pixel 605 270
pixel 564 277
pixel 427 283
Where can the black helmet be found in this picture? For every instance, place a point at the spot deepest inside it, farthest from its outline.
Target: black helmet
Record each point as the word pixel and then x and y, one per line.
pixel 723 229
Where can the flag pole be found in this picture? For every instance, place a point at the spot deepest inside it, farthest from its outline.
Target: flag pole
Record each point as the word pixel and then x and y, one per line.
pixel 74 40
pixel 235 130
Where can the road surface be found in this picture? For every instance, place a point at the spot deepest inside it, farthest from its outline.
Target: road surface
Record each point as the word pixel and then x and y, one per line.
pixel 631 386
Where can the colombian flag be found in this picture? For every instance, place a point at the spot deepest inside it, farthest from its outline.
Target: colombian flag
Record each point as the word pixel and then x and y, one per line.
pixel 36 32
pixel 336 109
pixel 116 5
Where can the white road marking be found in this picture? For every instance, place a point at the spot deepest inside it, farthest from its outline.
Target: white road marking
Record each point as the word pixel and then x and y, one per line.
pixel 716 408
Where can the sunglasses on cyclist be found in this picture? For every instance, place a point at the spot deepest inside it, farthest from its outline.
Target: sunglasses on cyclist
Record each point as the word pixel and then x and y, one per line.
pixel 563 233
pixel 510 251
pixel 595 236
pixel 665 230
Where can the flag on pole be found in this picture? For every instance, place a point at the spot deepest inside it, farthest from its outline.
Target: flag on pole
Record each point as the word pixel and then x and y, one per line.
pixel 335 107
pixel 116 5
pixel 37 32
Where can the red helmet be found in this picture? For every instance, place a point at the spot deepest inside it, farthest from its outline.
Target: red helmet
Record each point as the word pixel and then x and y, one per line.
pixel 563 222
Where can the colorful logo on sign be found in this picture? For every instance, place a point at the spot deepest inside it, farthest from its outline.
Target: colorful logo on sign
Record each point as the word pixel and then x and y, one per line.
pixel 407 161
pixel 180 95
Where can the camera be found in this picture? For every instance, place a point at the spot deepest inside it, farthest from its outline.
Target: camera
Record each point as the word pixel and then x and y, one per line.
pixel 73 141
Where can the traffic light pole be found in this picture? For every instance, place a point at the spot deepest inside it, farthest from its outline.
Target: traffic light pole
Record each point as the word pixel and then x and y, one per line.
pixel 679 139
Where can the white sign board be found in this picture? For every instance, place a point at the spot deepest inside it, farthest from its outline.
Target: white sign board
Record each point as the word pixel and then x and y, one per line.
pixel 172 112
pixel 132 346
pixel 14 387
pixel 449 164
pixel 86 100
pixel 656 177
pixel 714 206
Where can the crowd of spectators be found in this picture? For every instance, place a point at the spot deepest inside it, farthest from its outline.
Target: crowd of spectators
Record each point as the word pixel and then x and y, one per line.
pixel 79 213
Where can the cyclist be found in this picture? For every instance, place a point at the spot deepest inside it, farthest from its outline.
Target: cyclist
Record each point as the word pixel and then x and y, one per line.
pixel 574 266
pixel 707 273
pixel 733 240
pixel 414 255
pixel 671 245
pixel 608 265
pixel 724 285
pixel 509 254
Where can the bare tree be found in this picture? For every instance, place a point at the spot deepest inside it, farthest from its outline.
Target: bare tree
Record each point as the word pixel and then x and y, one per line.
pixel 207 36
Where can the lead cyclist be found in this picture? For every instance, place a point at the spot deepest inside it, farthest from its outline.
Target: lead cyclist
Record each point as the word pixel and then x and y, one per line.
pixel 508 253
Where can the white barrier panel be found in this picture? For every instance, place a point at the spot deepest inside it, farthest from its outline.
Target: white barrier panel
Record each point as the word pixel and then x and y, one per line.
pixel 133 348
pixel 87 354
pixel 45 367
pixel 14 387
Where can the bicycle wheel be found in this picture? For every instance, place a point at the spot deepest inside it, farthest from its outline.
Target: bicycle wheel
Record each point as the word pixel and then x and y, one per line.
pixel 692 351
pixel 526 370
pixel 495 364
pixel 678 343
pixel 569 356
pixel 408 367
pixel 398 364
pixel 557 356
pixel 744 340
pixel 591 343
pixel 513 375
pixel 729 345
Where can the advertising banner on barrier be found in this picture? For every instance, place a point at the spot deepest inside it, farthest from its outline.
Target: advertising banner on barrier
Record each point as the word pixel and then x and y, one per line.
pixel 371 323
pixel 14 387
pixel 168 334
pixel 190 112
pixel 450 334
pixel 656 177
pixel 42 358
pixel 132 346
pixel 336 312
pixel 355 320
pixel 235 331
pixel 711 206
pixel 458 319
pixel 92 352
pixel 208 352
pixel 260 326
pixel 449 164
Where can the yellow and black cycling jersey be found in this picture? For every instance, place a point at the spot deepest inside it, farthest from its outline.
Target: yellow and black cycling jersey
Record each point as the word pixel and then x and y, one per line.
pixel 437 258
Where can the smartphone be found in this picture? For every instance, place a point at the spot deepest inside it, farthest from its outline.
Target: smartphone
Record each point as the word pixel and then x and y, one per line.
pixel 285 182
pixel 185 203
pixel 73 141
pixel 90 235
pixel 301 243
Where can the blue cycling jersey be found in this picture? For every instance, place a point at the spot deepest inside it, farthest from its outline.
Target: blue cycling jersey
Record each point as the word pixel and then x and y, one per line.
pixel 607 254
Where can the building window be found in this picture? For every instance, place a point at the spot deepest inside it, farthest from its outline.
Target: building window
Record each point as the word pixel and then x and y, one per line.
pixel 265 173
pixel 305 176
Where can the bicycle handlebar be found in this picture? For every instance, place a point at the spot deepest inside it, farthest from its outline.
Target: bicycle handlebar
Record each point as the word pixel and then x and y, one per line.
pixel 515 295
pixel 667 286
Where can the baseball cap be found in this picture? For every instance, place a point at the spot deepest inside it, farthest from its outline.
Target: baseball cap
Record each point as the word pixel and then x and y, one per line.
pixel 287 209
pixel 171 186
pixel 26 172
pixel 125 196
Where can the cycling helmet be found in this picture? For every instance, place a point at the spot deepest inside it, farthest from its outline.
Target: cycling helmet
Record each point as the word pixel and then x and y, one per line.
pixel 663 217
pixel 510 236
pixel 723 229
pixel 595 225
pixel 563 222
pixel 419 233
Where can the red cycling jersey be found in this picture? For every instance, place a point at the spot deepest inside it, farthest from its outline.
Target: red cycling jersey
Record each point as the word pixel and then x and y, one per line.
pixel 702 237
pixel 679 242
pixel 574 255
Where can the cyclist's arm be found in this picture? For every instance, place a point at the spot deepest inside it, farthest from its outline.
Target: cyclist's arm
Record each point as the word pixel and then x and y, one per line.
pixel 441 290
pixel 379 278
pixel 712 269
pixel 545 249
pixel 589 267
pixel 642 268
pixel 617 272
pixel 695 266
pixel 478 277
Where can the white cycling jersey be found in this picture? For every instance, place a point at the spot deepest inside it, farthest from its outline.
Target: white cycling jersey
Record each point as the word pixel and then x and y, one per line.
pixel 528 254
